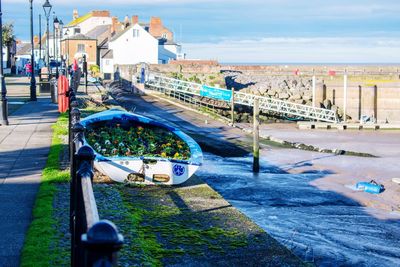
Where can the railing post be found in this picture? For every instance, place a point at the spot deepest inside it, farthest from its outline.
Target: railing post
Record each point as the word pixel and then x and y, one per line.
pixel 84 161
pixel 102 242
pixel 77 136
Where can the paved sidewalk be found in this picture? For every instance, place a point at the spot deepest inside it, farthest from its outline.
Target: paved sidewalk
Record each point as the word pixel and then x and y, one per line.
pixel 24 147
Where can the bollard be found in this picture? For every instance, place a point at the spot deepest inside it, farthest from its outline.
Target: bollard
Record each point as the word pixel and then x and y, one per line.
pixel 256 137
pixel 102 242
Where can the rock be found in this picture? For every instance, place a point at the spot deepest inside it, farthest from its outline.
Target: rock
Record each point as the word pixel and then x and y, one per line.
pixel 307 97
pixel 327 104
pixel 283 95
pixel 296 96
pixel 300 101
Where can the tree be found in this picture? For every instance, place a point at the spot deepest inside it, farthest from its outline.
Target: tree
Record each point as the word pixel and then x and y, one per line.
pixel 8 40
pixel 8 34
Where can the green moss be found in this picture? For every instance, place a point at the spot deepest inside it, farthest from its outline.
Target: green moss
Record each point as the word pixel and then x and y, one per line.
pixel 163 230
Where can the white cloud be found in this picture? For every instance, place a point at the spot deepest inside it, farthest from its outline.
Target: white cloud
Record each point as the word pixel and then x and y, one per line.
pixel 300 50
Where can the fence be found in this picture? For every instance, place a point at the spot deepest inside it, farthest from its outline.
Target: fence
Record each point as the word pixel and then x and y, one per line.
pixel 94 242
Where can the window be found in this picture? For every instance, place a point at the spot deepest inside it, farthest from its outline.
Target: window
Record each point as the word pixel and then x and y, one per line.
pixel 107 62
pixel 135 33
pixel 77 30
pixel 164 35
pixel 81 48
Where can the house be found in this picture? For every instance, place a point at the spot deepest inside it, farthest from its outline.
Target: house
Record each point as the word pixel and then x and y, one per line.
pixel 102 34
pixel 86 23
pixel 118 43
pixel 151 43
pixel 134 45
pixel 76 46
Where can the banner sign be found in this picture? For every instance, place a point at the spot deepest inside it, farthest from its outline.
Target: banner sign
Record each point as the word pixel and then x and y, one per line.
pixel 216 93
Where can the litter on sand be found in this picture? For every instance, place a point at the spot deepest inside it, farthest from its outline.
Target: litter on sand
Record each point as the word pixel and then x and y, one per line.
pixel 370 187
pixel 396 180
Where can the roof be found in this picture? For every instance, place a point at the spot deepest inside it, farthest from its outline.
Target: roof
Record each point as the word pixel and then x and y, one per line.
pixel 80 19
pixel 117 35
pixel 109 54
pixel 24 49
pixel 97 31
pixel 79 36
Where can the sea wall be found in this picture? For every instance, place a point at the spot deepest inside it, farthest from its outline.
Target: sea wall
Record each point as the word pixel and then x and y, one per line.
pixel 372 91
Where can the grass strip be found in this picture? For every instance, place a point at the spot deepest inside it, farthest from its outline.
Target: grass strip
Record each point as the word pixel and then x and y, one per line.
pixel 37 250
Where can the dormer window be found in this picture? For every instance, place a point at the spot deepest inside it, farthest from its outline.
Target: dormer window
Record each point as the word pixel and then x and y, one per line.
pixel 164 35
pixel 135 33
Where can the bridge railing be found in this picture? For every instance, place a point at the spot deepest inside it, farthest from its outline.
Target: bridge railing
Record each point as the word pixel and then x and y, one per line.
pixel 266 103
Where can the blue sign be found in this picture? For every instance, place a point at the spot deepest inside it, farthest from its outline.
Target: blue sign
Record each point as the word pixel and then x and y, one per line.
pixel 178 170
pixel 216 93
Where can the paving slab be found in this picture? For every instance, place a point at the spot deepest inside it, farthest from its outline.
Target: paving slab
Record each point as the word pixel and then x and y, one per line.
pixel 24 147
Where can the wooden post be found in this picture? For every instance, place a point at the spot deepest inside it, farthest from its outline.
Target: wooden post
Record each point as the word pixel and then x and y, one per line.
pixel 256 137
pixel 313 89
pixel 233 107
pixel 345 96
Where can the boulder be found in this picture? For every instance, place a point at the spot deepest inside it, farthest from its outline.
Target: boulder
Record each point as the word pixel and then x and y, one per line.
pixel 284 96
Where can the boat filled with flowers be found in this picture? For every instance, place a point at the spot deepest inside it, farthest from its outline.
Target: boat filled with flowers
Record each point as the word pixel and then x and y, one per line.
pixel 136 149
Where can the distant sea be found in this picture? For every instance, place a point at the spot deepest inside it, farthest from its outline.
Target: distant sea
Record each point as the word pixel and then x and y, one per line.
pixel 307 64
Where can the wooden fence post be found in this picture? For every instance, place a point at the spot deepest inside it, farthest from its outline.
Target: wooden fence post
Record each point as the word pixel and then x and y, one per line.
pixel 233 107
pixel 256 137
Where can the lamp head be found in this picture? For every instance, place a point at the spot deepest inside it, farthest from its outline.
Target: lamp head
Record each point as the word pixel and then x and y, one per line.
pixel 47 8
pixel 56 23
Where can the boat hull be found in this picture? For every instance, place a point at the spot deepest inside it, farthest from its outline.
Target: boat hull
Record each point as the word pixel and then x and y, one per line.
pixel 136 171
pixel 145 170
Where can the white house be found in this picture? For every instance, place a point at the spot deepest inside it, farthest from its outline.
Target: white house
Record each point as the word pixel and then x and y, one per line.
pixel 86 23
pixel 134 45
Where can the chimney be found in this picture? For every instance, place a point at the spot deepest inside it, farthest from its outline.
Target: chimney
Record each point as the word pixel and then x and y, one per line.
pixel 135 20
pixel 155 26
pixel 126 21
pixel 114 25
pixel 75 14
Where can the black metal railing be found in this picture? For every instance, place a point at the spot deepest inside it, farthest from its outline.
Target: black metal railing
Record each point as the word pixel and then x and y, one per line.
pixel 94 242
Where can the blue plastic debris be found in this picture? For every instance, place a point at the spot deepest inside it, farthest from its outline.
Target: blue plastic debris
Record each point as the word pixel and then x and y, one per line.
pixel 370 187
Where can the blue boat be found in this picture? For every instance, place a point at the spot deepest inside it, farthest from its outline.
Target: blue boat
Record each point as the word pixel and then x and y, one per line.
pixel 144 169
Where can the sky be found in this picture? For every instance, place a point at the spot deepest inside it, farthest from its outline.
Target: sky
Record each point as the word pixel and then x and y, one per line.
pixel 253 31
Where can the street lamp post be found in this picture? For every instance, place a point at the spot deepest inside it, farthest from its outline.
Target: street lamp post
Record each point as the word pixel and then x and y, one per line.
pixel 33 79
pixel 60 31
pixel 3 100
pixel 47 9
pixel 56 24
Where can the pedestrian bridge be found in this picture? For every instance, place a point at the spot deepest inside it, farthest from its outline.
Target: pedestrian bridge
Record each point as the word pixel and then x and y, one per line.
pixel 266 104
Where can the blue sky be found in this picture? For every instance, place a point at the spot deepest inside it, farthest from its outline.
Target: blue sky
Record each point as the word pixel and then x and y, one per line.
pixel 253 30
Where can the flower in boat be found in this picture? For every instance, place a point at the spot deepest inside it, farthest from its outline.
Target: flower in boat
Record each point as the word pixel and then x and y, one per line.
pixel 136 140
